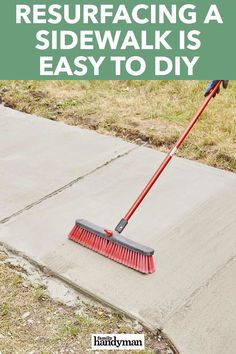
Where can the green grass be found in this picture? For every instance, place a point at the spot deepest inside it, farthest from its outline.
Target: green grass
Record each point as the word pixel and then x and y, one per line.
pixel 151 112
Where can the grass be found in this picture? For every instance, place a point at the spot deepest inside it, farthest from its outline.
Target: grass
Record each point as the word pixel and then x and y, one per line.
pixel 151 112
pixel 31 322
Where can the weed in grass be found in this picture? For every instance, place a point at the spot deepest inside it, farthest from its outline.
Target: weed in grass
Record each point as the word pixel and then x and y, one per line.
pixel 70 329
pixel 39 293
pixel 67 104
pixel 108 122
pixel 4 309
pixel 18 280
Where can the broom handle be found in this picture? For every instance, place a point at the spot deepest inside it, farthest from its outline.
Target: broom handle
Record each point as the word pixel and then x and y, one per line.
pixel 122 224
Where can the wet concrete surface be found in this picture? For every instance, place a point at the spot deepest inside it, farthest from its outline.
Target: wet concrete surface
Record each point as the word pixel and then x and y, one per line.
pixel 188 218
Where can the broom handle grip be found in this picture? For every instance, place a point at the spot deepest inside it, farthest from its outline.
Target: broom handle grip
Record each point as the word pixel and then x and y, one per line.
pixel 167 159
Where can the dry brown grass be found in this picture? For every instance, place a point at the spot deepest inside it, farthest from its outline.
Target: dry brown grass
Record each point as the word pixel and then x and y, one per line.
pixel 31 322
pixel 154 112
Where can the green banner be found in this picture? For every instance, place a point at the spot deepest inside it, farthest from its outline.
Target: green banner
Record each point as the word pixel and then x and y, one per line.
pixel 104 40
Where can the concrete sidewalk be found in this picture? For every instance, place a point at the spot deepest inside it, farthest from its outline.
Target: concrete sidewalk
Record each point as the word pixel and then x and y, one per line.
pixel 52 174
pixel 38 157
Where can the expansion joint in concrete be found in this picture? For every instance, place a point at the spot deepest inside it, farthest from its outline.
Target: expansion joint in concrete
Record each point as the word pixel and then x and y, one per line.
pixel 67 186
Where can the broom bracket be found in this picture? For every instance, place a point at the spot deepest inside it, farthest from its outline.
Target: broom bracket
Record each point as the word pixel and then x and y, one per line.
pixel 122 224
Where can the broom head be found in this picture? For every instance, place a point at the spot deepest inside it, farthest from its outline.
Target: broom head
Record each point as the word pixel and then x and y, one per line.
pixel 115 246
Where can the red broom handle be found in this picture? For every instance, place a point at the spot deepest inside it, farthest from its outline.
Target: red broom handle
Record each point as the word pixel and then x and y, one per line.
pixel 171 154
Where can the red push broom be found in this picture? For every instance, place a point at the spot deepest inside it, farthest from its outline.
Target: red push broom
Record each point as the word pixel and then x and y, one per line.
pixel 110 243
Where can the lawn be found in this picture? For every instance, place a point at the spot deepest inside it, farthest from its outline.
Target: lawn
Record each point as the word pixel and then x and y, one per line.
pixel 145 112
pixel 34 323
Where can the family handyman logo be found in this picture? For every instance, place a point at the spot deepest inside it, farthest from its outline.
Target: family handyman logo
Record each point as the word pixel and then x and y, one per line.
pixel 117 341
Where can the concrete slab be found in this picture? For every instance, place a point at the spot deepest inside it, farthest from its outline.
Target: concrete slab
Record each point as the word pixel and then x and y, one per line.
pixel 189 218
pixel 206 323
pixel 38 156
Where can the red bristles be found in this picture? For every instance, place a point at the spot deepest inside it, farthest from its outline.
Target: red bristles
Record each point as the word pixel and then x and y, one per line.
pixel 114 251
